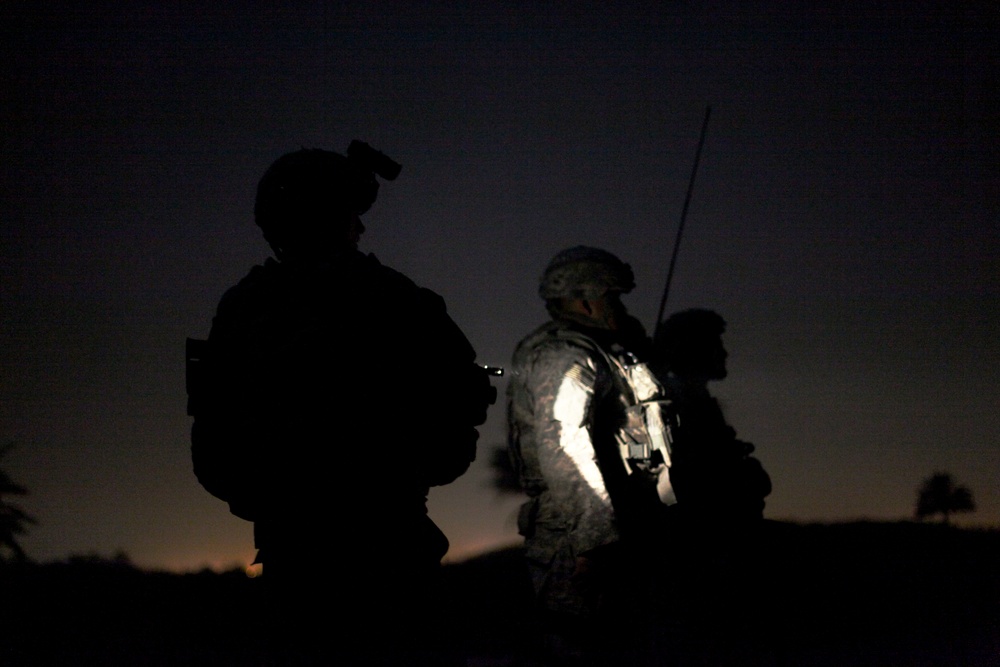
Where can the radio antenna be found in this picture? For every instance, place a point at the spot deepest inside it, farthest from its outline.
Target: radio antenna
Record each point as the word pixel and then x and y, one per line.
pixel 680 228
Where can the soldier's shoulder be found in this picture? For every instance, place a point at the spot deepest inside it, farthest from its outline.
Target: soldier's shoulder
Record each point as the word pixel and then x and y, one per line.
pixel 390 282
pixel 372 269
pixel 260 279
pixel 257 274
pixel 557 335
pixel 554 344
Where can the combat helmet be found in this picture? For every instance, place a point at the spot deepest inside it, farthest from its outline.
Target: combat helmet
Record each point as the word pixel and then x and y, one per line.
pixel 583 272
pixel 302 191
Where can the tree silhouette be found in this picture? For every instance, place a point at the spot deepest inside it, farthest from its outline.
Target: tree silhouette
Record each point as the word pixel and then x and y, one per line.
pixel 13 520
pixel 939 495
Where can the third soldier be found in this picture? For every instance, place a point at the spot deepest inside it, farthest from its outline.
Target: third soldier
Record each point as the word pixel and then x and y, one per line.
pixel 714 535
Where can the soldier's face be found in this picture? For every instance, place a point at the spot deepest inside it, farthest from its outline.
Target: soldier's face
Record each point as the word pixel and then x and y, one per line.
pixel 355 228
pixel 609 310
pixel 349 225
pixel 715 360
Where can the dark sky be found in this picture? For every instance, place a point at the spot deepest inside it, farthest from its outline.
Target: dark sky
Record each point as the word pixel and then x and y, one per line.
pixel 844 221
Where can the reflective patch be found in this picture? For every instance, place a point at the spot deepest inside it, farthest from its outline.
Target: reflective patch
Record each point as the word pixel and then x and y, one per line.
pixel 643 383
pixel 570 410
pixel 585 373
pixel 664 488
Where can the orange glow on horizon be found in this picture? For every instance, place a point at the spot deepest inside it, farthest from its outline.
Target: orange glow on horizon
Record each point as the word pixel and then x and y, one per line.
pixel 467 550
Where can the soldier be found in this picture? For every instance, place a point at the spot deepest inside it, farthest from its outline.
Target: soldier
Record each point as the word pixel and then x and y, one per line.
pixel 713 474
pixel 715 535
pixel 577 381
pixel 309 427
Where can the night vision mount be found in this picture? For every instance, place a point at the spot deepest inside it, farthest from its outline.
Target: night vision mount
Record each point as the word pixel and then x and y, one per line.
pixel 373 160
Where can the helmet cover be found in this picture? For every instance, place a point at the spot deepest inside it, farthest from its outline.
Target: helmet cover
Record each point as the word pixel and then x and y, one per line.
pixel 583 272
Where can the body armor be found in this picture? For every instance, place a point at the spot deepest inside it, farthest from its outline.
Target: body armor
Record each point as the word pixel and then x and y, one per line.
pixel 586 420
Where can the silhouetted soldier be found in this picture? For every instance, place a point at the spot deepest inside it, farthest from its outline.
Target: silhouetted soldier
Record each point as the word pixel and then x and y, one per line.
pixel 575 407
pixel 354 392
pixel 713 474
pixel 712 534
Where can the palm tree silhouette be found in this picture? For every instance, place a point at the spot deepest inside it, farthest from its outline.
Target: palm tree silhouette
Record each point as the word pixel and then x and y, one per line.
pixel 13 520
pixel 940 495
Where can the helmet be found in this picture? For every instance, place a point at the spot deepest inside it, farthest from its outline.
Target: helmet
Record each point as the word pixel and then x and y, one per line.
pixel 585 273
pixel 300 190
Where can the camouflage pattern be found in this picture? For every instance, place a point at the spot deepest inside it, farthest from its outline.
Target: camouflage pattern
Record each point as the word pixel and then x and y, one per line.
pixel 568 415
pixel 583 272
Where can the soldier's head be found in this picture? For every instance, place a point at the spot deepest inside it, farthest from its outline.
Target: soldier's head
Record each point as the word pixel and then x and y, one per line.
pixel 689 344
pixel 585 284
pixel 313 199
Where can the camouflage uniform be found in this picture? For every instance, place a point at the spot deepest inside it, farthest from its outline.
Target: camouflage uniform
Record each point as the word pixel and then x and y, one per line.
pixel 568 414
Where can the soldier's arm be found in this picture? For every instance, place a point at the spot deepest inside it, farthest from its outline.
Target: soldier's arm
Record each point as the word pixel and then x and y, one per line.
pixel 455 394
pixel 564 389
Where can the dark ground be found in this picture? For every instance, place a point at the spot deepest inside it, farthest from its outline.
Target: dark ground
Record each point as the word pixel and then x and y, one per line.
pixel 894 594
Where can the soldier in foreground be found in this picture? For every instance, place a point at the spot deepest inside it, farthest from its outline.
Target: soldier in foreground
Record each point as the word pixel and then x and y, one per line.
pixel 575 407
pixel 304 423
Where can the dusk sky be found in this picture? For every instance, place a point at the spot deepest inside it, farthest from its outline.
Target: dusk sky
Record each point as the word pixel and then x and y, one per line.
pixel 845 221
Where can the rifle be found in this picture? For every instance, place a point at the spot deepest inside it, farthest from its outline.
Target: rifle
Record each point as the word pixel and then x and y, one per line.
pixel 680 228
pixel 491 371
